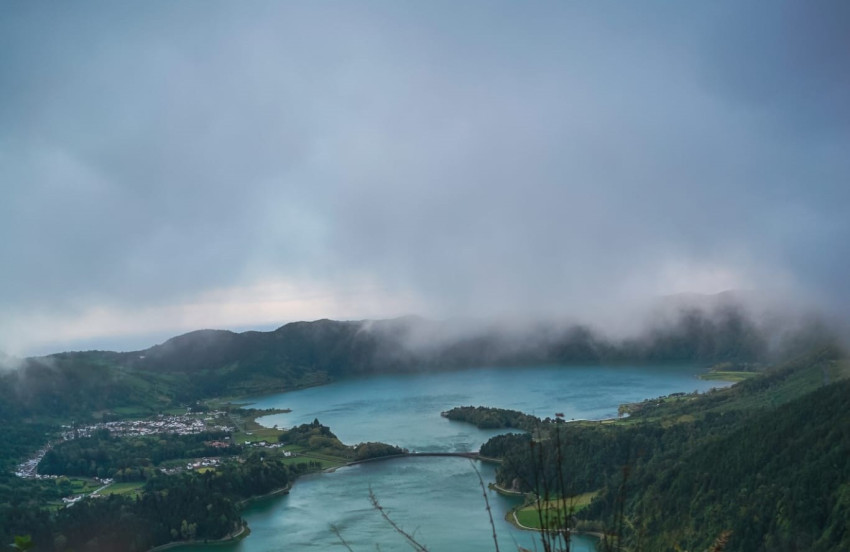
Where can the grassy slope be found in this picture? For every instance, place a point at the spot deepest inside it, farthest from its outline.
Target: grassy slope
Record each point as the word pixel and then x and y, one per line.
pixel 775 482
pixel 773 445
pixel 553 510
pixel 787 445
pixel 728 375
pixel 768 390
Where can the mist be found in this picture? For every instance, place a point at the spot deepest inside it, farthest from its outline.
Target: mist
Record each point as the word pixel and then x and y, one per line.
pixel 169 167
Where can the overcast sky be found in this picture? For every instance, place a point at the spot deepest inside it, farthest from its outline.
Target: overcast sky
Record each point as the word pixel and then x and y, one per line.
pixel 168 166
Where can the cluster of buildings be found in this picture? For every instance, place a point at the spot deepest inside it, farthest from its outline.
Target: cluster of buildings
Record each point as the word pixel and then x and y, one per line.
pixel 266 444
pixel 71 500
pixel 182 425
pixel 28 469
pixel 202 463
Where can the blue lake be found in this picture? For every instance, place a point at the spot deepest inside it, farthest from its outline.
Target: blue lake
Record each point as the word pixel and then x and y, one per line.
pixel 439 499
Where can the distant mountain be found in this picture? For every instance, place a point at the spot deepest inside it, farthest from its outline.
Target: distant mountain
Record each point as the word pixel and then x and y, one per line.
pixel 8 362
pixel 208 363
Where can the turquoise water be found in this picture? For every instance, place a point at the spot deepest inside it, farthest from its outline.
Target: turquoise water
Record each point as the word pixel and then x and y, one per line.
pixel 438 499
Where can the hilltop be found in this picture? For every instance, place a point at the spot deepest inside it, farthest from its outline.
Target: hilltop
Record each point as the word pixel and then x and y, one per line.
pixel 210 363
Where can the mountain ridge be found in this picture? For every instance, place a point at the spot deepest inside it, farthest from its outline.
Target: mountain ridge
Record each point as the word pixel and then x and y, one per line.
pixel 210 362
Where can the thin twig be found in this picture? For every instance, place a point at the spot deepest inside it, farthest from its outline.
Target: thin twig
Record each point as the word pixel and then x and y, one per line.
pixel 721 542
pixel 565 530
pixel 394 525
pixel 487 503
pixel 335 530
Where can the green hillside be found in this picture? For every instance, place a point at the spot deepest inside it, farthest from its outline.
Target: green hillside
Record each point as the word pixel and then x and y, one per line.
pixel 764 464
pixel 213 363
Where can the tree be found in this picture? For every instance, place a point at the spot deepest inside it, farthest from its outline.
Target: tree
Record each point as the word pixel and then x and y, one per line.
pixel 22 543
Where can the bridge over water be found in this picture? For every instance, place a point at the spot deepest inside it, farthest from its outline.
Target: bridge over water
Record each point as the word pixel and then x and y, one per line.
pixel 468 455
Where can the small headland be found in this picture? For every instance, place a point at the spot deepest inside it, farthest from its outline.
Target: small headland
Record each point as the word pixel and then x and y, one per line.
pixel 242 533
pixel 546 515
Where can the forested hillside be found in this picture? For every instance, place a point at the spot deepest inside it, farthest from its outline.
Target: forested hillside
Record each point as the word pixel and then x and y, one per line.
pixel 209 363
pixel 764 464
pixel 169 508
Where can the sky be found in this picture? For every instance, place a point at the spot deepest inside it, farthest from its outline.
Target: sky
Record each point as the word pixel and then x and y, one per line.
pixel 170 166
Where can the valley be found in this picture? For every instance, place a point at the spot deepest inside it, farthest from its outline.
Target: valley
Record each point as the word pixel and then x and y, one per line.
pixel 156 451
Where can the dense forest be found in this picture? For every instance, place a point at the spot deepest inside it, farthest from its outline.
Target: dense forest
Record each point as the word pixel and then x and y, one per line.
pixel 320 438
pixel 201 506
pixel 188 505
pixel 764 465
pixel 492 418
pixel 129 459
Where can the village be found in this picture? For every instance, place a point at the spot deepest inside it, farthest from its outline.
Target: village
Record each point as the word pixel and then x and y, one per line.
pixel 179 424
pixel 164 423
pixel 214 421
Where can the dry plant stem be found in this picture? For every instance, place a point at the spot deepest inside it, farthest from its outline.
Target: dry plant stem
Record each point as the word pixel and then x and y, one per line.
pixel 541 483
pixel 335 530
pixel 565 533
pixel 721 542
pixel 487 503
pixel 394 525
pixel 537 491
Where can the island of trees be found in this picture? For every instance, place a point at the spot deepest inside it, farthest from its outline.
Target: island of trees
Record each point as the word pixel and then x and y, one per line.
pixel 491 418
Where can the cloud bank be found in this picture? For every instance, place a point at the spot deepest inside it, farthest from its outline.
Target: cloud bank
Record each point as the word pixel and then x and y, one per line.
pixel 169 166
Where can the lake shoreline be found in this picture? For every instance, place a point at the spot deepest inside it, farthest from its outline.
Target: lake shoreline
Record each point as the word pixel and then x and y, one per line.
pixel 511 518
pixel 505 492
pixel 277 492
pixel 243 532
pixel 355 406
pixel 263 393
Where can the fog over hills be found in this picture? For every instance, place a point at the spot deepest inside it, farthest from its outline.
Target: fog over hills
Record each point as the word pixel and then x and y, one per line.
pixel 209 199
pixel 173 166
pixel 684 329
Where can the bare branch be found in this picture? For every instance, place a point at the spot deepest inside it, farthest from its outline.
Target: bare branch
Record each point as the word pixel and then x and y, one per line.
pixel 335 530
pixel 412 541
pixel 487 503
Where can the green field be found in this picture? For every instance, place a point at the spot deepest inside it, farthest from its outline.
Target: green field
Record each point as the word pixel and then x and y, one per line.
pixel 256 434
pixel 553 511
pixel 134 487
pixel 305 455
pixel 247 429
pixel 81 485
pixel 728 375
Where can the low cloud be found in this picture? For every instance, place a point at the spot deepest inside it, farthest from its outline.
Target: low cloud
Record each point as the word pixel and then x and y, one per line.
pixel 177 165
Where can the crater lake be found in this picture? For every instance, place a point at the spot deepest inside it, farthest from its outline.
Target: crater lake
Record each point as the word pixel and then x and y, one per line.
pixel 439 500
